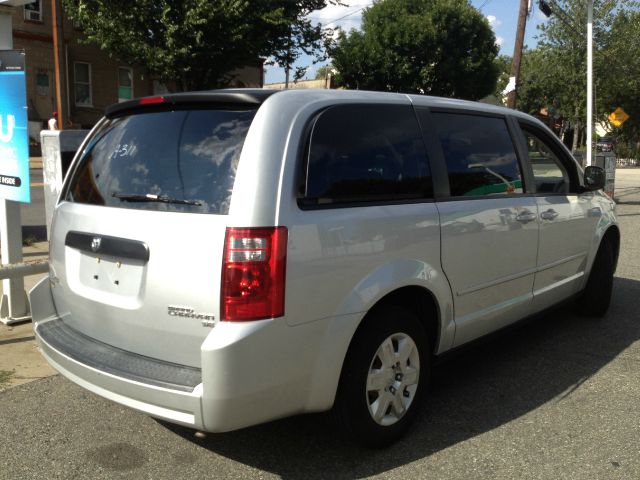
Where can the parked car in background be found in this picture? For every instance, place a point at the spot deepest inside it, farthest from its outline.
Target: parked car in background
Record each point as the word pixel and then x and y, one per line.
pixel 221 259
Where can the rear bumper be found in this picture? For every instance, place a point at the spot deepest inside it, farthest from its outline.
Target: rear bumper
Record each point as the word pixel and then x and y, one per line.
pixel 177 406
pixel 252 372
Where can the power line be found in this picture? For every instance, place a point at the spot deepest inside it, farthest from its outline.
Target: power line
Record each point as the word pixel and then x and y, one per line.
pixel 484 4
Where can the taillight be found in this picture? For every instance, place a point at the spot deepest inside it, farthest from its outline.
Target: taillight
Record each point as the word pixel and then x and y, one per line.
pixel 253 273
pixel 151 100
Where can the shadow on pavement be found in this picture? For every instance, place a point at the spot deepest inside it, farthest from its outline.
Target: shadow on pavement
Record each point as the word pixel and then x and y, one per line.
pixel 478 390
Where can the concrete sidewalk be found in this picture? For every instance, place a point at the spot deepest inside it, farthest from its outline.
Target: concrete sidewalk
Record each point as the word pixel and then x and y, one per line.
pixel 19 355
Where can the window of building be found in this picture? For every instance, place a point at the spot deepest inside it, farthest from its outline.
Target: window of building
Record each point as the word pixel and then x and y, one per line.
pixel 82 85
pixel 33 11
pixel 366 153
pixel 42 83
pixel 125 84
pixel 548 172
pixel 479 153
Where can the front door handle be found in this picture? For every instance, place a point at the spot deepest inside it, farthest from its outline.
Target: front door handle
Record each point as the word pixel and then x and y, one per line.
pixel 526 217
pixel 550 214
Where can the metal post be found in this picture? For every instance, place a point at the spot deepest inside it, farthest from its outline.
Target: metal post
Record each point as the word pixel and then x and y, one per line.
pixel 589 81
pixel 13 305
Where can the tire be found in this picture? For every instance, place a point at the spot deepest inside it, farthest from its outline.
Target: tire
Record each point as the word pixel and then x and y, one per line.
pixel 384 378
pixel 596 297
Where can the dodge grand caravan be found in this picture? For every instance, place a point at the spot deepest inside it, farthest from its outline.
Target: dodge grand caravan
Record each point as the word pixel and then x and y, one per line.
pixel 220 259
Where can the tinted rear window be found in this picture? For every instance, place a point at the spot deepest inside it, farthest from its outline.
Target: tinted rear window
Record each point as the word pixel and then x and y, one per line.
pixel 182 161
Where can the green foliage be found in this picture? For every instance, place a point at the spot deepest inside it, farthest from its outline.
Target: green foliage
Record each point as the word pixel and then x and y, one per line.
pixel 621 74
pixel 195 44
pixel 322 72
pixel 435 47
pixel 503 65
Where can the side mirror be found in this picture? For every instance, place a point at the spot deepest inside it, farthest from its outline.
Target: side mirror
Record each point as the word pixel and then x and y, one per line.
pixel 594 178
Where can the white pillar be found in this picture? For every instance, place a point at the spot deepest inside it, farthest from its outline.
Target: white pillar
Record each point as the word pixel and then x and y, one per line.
pixel 13 305
pixel 589 81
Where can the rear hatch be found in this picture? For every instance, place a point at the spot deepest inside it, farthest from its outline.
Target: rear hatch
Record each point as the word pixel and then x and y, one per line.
pixel 138 236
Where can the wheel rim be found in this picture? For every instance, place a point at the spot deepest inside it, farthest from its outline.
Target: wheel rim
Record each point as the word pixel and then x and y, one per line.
pixel 392 380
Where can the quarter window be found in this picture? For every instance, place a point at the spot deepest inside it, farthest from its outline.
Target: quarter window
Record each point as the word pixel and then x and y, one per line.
pixel 82 85
pixel 548 172
pixel 479 154
pixel 366 153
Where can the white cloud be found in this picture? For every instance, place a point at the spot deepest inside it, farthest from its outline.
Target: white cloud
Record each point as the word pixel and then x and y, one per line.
pixel 493 21
pixel 499 41
pixel 346 17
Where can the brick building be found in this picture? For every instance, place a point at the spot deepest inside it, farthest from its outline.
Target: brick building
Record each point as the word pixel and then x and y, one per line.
pixel 94 80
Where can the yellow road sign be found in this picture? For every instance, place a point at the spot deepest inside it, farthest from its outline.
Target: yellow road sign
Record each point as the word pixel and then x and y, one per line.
pixel 618 116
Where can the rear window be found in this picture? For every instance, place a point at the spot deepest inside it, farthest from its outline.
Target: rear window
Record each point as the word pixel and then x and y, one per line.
pixel 183 160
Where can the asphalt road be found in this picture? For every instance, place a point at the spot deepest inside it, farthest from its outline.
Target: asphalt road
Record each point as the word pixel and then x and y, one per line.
pixel 558 397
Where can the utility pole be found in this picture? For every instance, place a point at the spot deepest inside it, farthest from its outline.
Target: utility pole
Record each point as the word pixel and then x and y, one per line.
pixel 58 59
pixel 517 52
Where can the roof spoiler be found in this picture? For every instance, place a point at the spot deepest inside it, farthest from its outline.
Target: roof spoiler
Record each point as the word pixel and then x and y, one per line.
pixel 231 97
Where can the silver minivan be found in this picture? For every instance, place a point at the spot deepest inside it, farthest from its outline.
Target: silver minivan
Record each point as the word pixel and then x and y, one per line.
pixel 221 259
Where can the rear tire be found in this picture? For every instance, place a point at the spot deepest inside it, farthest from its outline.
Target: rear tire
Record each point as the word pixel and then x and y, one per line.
pixel 596 297
pixel 384 377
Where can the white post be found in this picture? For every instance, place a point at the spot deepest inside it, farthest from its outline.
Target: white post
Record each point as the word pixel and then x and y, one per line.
pixel 13 306
pixel 589 81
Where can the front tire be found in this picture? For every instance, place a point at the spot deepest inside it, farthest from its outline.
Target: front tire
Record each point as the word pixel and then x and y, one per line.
pixel 384 378
pixel 596 297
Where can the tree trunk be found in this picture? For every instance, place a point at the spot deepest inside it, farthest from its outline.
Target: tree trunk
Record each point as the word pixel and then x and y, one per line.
pixel 576 130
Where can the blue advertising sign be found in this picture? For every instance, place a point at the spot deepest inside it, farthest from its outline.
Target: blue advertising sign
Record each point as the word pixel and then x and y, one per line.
pixel 14 137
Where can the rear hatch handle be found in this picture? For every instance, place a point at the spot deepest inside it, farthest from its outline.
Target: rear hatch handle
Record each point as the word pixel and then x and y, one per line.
pixel 107 245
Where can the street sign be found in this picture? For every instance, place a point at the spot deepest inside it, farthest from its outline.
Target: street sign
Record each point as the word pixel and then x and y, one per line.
pixel 14 139
pixel 618 116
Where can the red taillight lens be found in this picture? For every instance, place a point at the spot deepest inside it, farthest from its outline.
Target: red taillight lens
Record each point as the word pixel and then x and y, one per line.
pixel 151 100
pixel 253 273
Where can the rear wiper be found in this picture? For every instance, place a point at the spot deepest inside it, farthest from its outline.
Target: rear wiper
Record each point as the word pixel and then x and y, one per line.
pixel 132 197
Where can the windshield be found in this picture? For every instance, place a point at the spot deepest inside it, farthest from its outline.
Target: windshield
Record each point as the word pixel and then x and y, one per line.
pixel 183 160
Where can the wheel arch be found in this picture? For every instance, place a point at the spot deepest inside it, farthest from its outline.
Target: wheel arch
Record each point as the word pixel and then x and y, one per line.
pixel 419 301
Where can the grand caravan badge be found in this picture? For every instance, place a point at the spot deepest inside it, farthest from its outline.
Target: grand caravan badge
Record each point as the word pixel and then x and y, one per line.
pixel 208 319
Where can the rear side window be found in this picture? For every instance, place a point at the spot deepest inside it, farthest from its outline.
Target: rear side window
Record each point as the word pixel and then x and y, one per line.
pixel 366 153
pixel 183 160
pixel 479 154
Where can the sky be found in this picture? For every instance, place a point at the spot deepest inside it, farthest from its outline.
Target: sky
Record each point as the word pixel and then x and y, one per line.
pixel 501 14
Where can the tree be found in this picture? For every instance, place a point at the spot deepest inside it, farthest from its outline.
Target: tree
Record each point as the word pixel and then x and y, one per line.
pixel 503 63
pixel 621 87
pixel 435 47
pixel 299 36
pixel 196 44
pixel 323 71
pixel 554 74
